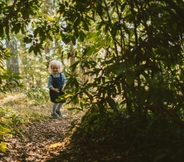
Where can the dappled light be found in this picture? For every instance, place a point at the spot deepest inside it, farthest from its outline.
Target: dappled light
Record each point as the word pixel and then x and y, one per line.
pixel 9 98
pixel 91 81
pixel 34 136
pixel 41 138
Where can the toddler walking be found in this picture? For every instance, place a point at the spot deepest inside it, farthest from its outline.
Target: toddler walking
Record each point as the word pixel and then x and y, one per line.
pixel 56 83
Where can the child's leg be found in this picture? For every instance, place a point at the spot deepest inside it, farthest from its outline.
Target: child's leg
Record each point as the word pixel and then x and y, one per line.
pixel 60 105
pixel 54 110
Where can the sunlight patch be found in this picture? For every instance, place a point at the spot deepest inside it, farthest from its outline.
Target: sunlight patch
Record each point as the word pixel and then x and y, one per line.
pixel 8 98
pixel 61 144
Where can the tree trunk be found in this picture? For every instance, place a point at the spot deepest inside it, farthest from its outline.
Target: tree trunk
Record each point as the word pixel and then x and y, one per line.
pixel 72 54
pixel 13 62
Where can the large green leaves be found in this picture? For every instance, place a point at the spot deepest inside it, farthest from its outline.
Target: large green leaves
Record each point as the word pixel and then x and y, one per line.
pixel 124 48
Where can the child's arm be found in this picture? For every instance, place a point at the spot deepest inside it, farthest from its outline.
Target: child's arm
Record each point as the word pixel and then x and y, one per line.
pixel 54 89
pixel 50 86
pixel 63 86
pixel 64 81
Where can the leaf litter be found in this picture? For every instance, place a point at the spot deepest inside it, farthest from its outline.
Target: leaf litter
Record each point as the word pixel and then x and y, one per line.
pixel 40 141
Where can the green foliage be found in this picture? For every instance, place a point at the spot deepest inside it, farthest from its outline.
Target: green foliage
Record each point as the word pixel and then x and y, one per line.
pixel 37 95
pixel 3 131
pixel 8 80
pixel 12 81
pixel 161 138
pixel 137 57
pixel 16 16
pixel 130 60
pixel 9 122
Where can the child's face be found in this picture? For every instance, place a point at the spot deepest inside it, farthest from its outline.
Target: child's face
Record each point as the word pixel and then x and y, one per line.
pixel 55 69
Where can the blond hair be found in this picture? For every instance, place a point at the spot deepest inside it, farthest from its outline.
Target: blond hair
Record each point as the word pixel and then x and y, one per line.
pixel 56 63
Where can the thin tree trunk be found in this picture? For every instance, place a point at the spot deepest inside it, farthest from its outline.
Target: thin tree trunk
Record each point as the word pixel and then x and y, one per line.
pixel 13 62
pixel 72 54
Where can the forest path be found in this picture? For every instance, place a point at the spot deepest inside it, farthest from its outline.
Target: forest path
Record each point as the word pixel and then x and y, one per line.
pixel 40 141
pixel 42 138
pixel 62 140
pixel 56 140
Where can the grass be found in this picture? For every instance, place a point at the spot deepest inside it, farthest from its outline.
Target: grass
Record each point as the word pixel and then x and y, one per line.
pixel 19 108
pixel 33 105
pixel 23 105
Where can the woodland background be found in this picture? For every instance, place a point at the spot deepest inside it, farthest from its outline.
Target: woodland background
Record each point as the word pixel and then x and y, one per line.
pixel 123 61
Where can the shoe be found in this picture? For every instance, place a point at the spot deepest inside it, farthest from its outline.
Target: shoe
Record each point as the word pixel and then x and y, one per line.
pixel 56 116
pixel 59 114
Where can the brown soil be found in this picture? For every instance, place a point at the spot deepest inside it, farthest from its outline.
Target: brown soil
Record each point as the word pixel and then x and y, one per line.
pixel 56 140
pixel 40 141
pixel 62 140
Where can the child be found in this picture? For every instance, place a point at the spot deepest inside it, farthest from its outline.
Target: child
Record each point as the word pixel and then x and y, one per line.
pixel 56 83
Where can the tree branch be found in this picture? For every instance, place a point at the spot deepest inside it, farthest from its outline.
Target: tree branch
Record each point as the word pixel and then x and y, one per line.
pixel 179 11
pixel 4 22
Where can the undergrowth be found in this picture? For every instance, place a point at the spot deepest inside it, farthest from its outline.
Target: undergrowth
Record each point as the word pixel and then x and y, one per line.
pixel 19 108
pixel 151 139
pixel 9 124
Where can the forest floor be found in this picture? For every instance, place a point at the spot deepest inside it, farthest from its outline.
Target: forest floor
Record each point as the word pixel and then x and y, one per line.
pixel 45 139
pixel 61 140
pixel 41 139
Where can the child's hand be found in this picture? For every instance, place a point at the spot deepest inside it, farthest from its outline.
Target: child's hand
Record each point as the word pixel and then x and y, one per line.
pixel 55 90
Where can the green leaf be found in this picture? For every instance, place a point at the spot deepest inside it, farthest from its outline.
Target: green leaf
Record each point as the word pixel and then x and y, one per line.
pixel 73 66
pixel 1 31
pixel 82 36
pixel 16 28
pixel 73 40
pixel 36 31
pixel 27 40
pixel 130 78
pixel 85 25
pixel 112 104
pixel 61 7
pixel 66 39
pixel 3 146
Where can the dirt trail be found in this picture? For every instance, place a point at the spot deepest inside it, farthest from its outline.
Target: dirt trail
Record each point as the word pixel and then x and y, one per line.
pixel 41 141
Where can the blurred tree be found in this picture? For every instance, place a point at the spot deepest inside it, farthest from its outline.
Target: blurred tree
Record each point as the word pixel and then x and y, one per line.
pixel 133 50
pixel 12 63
